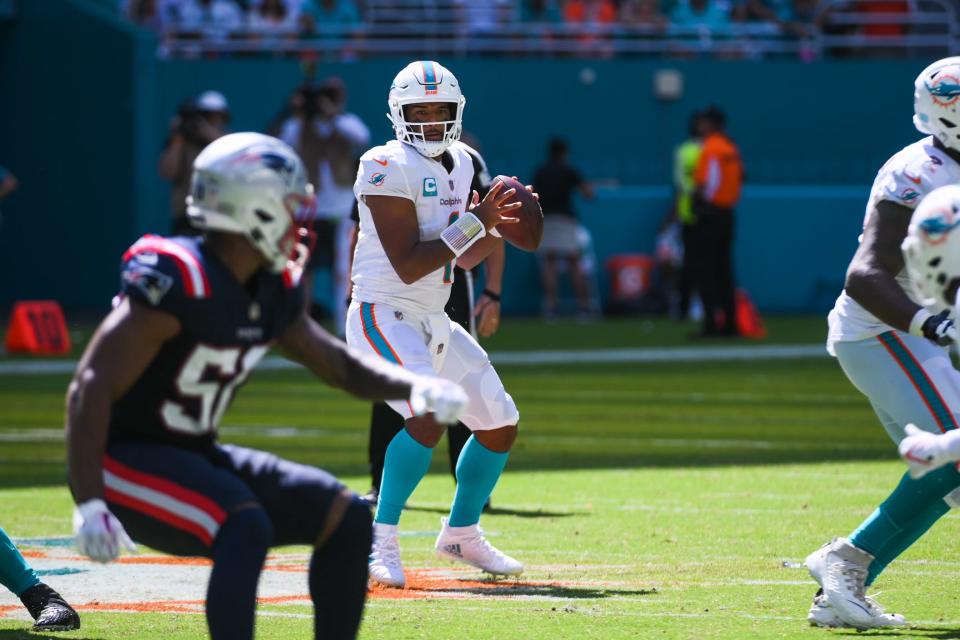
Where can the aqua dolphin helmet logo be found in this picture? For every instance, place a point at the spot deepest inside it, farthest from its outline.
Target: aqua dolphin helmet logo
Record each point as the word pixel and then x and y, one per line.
pixel 945 90
pixel 936 228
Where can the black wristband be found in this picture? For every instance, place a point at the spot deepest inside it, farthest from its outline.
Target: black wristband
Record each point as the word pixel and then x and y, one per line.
pixel 490 294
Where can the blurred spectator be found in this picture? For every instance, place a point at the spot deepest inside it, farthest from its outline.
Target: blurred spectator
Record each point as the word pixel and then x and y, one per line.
pixel 210 17
pixel 483 16
pixel 685 159
pixel 145 13
pixel 272 17
pixel 330 141
pixel 8 184
pixel 642 13
pixel 317 13
pixel 540 11
pixel 556 181
pixel 887 9
pixel 712 14
pixel 777 13
pixel 718 178
pixel 198 122
pixel 592 17
pixel 589 12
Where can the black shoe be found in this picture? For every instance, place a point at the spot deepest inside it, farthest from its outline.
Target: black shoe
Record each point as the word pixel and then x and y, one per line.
pixel 49 610
pixel 372 497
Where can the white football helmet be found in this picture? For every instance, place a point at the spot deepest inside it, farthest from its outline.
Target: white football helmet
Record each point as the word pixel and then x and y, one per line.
pixel 255 185
pixel 936 94
pixel 931 248
pixel 425 81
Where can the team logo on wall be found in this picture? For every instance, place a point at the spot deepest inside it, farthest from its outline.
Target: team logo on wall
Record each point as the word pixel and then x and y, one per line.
pixel 377 179
pixel 945 90
pixel 429 187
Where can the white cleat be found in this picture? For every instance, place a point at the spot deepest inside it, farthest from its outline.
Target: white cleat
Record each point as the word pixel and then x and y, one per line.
pixel 840 568
pixel 821 614
pixel 467 544
pixel 385 566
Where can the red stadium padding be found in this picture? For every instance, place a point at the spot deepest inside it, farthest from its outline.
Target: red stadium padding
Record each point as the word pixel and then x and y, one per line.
pixel 37 326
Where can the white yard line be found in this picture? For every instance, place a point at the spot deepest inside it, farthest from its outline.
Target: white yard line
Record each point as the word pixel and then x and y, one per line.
pixel 522 358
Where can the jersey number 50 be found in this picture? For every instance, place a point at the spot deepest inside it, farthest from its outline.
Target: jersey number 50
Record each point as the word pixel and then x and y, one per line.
pixel 214 395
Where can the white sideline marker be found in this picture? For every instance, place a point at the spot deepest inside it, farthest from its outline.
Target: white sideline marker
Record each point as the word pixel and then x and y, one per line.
pixel 524 358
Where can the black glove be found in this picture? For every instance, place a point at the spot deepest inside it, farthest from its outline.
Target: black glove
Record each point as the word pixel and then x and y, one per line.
pixel 939 329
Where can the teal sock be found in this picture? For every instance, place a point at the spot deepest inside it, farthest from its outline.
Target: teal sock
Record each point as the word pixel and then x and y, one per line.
pixel 909 511
pixel 404 466
pixel 902 541
pixel 15 573
pixel 478 470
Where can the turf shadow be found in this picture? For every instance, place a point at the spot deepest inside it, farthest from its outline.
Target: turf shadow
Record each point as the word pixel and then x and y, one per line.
pixel 497 511
pixel 936 633
pixel 26 634
pixel 544 591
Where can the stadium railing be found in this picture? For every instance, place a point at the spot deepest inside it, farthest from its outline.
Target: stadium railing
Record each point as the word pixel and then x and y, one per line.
pixel 837 28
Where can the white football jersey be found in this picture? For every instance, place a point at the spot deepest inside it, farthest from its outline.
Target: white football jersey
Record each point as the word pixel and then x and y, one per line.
pixel 397 169
pixel 905 179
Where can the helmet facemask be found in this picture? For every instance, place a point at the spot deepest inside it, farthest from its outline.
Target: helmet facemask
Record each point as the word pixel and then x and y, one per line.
pixel 425 82
pixel 412 132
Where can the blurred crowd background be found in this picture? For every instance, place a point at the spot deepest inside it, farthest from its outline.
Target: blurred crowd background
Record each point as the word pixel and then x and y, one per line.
pixel 724 28
pixel 595 102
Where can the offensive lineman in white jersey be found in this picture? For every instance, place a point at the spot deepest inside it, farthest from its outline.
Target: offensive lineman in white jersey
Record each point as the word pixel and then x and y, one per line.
pixel 417 218
pixel 890 346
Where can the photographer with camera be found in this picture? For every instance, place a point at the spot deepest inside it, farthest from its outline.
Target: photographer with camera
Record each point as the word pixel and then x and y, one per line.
pixel 330 141
pixel 199 121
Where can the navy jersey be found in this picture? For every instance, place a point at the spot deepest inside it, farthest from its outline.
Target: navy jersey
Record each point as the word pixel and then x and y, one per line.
pixel 226 327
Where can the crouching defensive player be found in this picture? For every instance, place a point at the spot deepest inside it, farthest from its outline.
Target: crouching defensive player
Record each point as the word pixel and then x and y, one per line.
pixel 193 318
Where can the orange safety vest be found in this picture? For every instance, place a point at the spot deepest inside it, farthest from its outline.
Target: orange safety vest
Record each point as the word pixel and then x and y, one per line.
pixel 719 172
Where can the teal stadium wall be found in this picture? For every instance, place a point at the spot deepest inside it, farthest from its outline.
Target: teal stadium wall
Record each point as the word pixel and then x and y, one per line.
pixel 86 107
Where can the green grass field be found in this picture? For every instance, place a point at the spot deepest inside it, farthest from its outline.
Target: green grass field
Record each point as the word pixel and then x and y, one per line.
pixel 646 500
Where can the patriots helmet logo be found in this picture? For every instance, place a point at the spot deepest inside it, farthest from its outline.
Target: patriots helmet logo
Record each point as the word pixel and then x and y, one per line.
pixel 152 283
pixel 278 163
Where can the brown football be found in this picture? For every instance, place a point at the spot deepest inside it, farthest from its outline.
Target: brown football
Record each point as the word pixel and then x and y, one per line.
pixel 527 233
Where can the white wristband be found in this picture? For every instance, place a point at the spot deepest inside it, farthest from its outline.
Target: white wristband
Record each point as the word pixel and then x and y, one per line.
pixel 916 325
pixel 462 234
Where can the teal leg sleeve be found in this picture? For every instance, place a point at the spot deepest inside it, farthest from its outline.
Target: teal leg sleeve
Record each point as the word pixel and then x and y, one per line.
pixel 902 541
pixel 15 573
pixel 904 516
pixel 478 470
pixel 404 466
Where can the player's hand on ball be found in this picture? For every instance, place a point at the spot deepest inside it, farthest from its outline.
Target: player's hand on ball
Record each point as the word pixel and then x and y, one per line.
pixel 528 187
pixel 921 451
pixel 444 399
pixel 494 209
pixel 100 536
pixel 940 329
pixel 487 313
